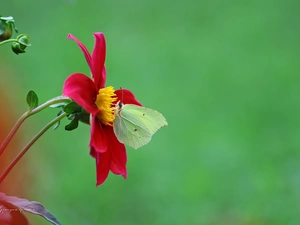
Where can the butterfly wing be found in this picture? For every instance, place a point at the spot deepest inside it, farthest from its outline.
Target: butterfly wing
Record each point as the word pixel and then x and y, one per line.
pixel 144 117
pixel 130 134
pixel 134 125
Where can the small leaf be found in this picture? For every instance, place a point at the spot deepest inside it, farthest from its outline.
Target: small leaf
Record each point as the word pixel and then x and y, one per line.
pixel 14 26
pixel 72 107
pixel 19 204
pixel 72 116
pixel 38 209
pixel 32 100
pixel 56 125
pixel 73 125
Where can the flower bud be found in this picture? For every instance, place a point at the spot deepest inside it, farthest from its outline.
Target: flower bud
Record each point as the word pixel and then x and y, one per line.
pixel 7 24
pixel 17 48
pixel 5 30
pixel 22 42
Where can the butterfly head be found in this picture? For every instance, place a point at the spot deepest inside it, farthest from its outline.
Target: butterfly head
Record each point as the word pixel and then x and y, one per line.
pixel 118 107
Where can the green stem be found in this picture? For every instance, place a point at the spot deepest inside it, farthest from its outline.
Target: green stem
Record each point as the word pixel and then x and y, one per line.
pixel 7 41
pixel 49 103
pixel 12 132
pixel 26 115
pixel 32 141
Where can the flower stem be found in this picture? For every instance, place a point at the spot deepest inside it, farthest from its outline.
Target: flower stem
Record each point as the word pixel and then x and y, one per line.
pixel 49 103
pixel 12 132
pixel 32 141
pixel 28 114
pixel 7 41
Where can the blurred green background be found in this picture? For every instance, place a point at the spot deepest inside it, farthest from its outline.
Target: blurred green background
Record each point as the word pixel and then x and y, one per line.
pixel 224 73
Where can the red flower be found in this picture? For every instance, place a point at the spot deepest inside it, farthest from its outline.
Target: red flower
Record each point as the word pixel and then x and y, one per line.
pixel 99 101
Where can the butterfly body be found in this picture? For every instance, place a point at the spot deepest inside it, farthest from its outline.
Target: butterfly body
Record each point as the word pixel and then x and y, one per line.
pixel 134 125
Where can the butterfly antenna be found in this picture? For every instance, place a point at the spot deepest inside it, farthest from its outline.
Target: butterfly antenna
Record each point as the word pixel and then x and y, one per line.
pixel 122 94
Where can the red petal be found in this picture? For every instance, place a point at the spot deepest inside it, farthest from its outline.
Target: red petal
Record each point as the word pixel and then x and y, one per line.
pixel 98 59
pixel 98 137
pixel 127 97
pixel 83 49
pixel 82 90
pixel 118 152
pixel 93 153
pixel 103 161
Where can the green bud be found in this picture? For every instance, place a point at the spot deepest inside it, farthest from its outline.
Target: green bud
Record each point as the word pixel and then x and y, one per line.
pixel 23 39
pixel 21 44
pixel 5 31
pixel 7 25
pixel 16 47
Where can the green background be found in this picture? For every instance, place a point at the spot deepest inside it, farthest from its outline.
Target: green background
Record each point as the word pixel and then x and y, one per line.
pixel 224 73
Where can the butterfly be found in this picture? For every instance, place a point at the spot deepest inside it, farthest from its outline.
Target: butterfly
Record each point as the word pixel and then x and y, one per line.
pixel 134 125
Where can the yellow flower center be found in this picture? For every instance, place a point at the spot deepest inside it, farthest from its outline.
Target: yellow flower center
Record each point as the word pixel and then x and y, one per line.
pixel 105 99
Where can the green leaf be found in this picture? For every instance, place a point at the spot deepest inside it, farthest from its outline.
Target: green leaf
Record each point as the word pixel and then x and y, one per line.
pixel 32 100
pixel 73 125
pixel 72 107
pixel 56 125
pixel 18 204
pixel 58 122
pixel 72 116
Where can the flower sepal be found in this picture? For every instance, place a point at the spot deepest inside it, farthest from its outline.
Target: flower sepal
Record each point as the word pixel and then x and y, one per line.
pixel 72 108
pixel 75 113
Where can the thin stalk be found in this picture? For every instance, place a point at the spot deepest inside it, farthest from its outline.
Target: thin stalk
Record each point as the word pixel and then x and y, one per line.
pixel 30 143
pixel 7 41
pixel 25 116
pixel 12 132
pixel 49 103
